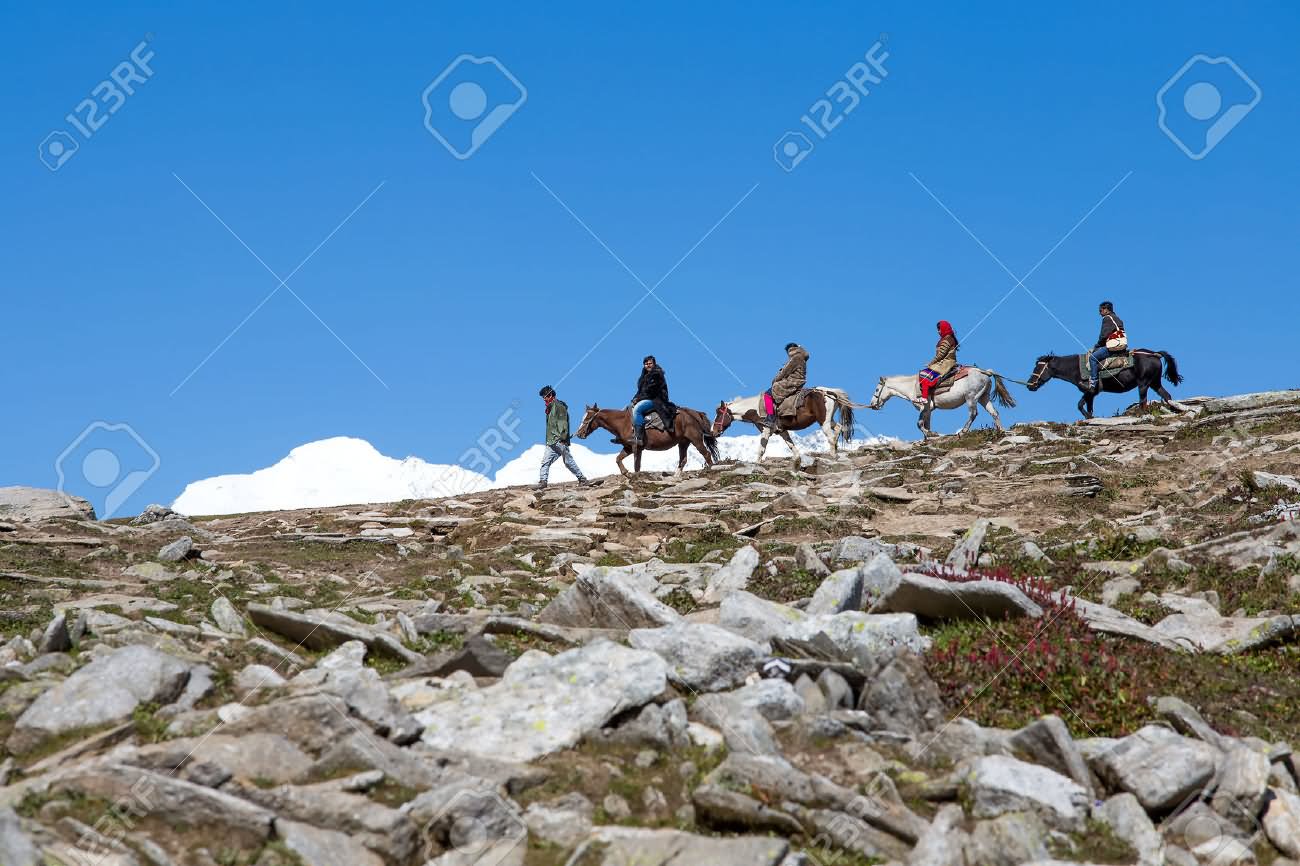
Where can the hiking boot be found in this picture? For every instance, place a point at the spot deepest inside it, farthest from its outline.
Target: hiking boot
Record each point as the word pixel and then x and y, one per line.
pixel 540 485
pixel 586 482
pixel 1092 388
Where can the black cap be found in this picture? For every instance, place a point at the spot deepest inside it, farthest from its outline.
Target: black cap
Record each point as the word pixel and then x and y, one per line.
pixel 789 346
pixel 546 391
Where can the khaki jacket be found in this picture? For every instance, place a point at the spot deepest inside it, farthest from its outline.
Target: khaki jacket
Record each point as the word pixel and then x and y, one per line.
pixel 945 356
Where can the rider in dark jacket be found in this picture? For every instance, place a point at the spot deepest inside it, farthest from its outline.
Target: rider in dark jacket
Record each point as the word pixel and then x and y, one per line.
pixel 1111 326
pixel 651 393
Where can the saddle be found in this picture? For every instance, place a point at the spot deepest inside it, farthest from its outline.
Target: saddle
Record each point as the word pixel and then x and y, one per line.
pixel 1110 367
pixel 654 422
pixel 792 404
pixel 954 375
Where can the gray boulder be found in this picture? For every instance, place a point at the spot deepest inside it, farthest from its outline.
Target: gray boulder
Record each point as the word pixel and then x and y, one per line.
pixel 999 784
pixel 104 692
pixel 1128 821
pixel 966 553
pixel 855 548
pixel 545 703
pixel 1229 634
pixel 701 657
pixel 177 550
pixel 317 846
pixel 879 578
pixel 839 592
pixel 902 698
pixel 853 631
pixel 733 576
pixel 34 504
pixel 807 558
pixel 1048 742
pixel 227 618
pixel 942 844
pixel 935 598
pixel 344 674
pixel 603 599
pixel 564 822
pixel 1282 823
pixel 1012 839
pixel 1242 785
pixel 1156 765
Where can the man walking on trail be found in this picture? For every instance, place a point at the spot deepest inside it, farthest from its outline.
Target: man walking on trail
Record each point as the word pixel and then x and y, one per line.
pixel 557 437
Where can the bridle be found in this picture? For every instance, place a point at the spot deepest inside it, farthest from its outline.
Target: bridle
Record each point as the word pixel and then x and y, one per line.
pixel 724 420
pixel 588 423
pixel 875 398
pixel 1036 379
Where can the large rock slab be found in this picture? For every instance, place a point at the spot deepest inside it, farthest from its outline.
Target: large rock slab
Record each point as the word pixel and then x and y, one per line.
pixel 317 846
pixel 901 697
pixel 1129 821
pixel 701 657
pixel 1156 765
pixel 16 847
pixel 343 673
pixel 104 692
pixel 880 576
pixel 634 846
pixel 237 822
pixel 325 632
pixel 252 756
pixel 1242 784
pixel 545 703
pixel 1000 784
pixel 966 553
pixel 935 598
pixel 1048 742
pixel 34 503
pixel 603 598
pixel 853 631
pixel 1227 635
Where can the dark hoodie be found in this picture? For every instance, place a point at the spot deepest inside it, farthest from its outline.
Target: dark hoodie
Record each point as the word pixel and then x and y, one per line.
pixel 653 386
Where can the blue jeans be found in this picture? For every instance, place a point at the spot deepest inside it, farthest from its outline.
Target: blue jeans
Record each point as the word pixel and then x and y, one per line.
pixel 1095 357
pixel 555 452
pixel 639 412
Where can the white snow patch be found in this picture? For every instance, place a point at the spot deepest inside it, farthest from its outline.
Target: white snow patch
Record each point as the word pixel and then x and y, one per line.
pixel 348 471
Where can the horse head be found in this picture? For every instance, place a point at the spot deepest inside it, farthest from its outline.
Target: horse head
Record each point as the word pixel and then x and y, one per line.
pixel 588 422
pixel 722 420
pixel 878 398
pixel 1042 372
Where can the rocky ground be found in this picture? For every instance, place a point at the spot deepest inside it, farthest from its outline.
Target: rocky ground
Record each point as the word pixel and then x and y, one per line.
pixel 1066 644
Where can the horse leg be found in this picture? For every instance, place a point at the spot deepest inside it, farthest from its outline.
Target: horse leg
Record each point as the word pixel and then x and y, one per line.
pixel 636 459
pixel 973 410
pixel 924 420
pixel 1142 397
pixel 619 460
pixel 785 434
pixel 993 410
pixel 681 455
pixel 1085 406
pixel 762 444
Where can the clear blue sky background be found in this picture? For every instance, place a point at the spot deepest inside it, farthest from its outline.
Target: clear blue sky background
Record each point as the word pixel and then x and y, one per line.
pixel 465 286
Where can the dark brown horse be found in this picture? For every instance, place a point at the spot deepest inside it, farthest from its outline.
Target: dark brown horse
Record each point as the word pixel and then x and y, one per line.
pixel 819 407
pixel 690 427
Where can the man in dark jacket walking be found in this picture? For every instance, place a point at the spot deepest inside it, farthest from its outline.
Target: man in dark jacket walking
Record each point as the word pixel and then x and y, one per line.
pixel 557 437
pixel 1112 331
pixel 651 393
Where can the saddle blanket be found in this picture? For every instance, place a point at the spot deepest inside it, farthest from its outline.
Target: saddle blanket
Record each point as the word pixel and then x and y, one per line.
pixel 654 422
pixel 946 383
pixel 791 405
pixel 1110 367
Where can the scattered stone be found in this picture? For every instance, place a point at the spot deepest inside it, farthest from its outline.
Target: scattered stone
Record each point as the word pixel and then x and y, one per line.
pixel 564 822
pixel 701 657
pixel 733 576
pixel 807 558
pixel 902 698
pixel 1242 784
pixel 762 621
pixel 31 504
pixel 855 548
pixel 320 632
pixel 255 678
pixel 227 618
pixel 966 553
pixel 605 599
pixel 1000 784
pixel 1128 821
pixel 936 598
pixel 1281 823
pixel 635 846
pixel 16 847
pixel 177 550
pixel 1048 742
pixel 839 592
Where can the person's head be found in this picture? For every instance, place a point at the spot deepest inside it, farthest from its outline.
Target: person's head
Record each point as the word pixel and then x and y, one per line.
pixel 789 346
pixel 649 362
pixel 945 329
pixel 547 394
pixel 1106 308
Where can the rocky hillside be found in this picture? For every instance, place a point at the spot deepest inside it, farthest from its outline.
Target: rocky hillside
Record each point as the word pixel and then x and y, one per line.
pixel 1066 644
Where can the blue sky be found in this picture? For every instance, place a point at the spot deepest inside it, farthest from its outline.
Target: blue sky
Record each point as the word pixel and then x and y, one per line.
pixel 462 285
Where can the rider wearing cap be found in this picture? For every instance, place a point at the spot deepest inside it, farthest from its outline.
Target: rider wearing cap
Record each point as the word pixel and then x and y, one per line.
pixel 789 380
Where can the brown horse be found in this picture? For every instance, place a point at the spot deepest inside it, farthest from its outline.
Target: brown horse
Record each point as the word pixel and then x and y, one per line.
pixel 690 427
pixel 819 407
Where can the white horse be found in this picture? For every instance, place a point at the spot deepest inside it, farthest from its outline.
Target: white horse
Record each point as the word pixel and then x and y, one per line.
pixel 978 387
pixel 829 407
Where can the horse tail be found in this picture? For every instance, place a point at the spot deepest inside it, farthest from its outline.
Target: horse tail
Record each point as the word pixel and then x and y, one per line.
pixel 1001 393
pixel 846 422
pixel 1171 369
pixel 706 432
